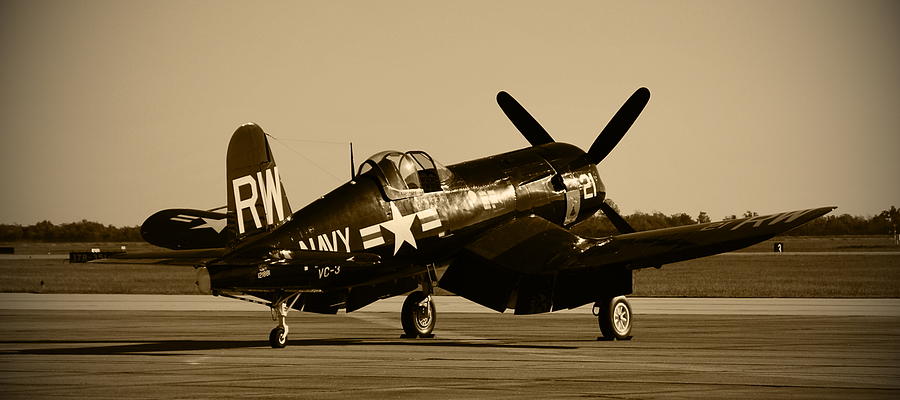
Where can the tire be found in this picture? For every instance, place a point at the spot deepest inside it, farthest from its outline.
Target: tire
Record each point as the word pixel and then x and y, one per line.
pixel 615 318
pixel 417 321
pixel 277 338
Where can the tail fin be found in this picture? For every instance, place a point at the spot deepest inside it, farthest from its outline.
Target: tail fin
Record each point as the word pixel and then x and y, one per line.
pixel 256 198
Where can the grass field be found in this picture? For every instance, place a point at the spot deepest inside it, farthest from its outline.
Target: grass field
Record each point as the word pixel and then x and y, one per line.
pixel 754 272
pixel 827 243
pixel 58 276
pixel 775 275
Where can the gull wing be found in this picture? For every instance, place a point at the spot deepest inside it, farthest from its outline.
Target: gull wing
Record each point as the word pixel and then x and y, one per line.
pixel 168 257
pixel 255 258
pixel 534 266
pixel 662 246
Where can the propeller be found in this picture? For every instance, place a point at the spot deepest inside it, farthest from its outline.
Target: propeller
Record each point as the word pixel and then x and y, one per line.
pixel 616 128
pixel 620 223
pixel 524 122
pixel 608 138
pixel 605 142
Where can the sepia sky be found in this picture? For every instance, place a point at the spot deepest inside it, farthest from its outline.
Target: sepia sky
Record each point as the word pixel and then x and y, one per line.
pixel 112 110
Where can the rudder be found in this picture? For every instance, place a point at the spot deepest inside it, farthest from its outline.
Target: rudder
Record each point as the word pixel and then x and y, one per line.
pixel 257 201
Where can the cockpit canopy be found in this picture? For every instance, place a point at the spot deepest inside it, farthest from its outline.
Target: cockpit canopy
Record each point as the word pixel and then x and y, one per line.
pixel 407 174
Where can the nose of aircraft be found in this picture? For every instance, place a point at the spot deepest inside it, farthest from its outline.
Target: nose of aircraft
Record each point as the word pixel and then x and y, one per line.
pixel 605 142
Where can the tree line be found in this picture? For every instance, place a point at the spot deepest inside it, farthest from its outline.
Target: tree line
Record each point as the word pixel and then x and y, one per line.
pixel 883 223
pixel 84 231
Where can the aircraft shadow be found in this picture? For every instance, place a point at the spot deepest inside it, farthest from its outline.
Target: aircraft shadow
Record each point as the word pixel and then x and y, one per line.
pixel 174 347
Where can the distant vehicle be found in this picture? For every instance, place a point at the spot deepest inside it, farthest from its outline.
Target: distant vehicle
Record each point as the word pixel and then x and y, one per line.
pixel 495 230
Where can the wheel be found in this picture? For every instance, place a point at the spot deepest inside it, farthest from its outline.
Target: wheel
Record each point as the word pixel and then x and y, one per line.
pixel 614 317
pixel 277 338
pixel 417 319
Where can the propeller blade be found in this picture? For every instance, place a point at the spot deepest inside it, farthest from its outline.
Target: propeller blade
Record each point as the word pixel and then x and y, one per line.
pixel 524 122
pixel 610 136
pixel 614 217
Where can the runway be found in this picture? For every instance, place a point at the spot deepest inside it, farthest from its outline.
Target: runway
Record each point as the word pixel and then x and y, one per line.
pixel 65 353
pixel 641 305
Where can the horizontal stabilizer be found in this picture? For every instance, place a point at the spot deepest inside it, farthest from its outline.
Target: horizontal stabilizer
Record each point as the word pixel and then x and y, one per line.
pixel 186 229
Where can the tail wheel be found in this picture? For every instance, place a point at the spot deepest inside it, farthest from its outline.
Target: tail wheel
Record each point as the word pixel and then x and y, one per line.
pixel 418 315
pixel 614 317
pixel 277 338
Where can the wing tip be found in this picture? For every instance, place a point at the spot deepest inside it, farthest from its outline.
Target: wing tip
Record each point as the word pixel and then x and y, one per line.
pixel 827 209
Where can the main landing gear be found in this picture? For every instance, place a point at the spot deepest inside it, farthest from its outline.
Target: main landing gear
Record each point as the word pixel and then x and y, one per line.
pixel 280 308
pixel 614 317
pixel 418 316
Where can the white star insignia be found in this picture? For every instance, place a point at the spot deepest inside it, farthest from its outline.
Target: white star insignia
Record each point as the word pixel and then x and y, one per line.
pixel 401 226
pixel 214 224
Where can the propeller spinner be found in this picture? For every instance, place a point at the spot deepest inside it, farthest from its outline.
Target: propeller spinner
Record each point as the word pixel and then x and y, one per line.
pixel 605 142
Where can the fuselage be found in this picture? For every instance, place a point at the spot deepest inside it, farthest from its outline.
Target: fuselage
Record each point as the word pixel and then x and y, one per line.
pixel 411 228
pixel 554 181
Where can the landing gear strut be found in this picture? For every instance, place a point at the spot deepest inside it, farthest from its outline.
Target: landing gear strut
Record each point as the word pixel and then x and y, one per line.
pixel 614 317
pixel 280 308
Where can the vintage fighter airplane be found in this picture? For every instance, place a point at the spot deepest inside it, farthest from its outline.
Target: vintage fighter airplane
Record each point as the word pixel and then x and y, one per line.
pixel 505 231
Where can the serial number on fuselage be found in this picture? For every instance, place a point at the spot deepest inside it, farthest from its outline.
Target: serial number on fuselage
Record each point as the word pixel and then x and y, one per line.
pixel 322 272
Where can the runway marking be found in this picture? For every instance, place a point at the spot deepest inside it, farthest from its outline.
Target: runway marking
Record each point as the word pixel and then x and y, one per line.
pixel 197 361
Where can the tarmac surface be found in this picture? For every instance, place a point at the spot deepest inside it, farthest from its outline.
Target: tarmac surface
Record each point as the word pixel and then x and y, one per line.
pixel 641 305
pixel 722 349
